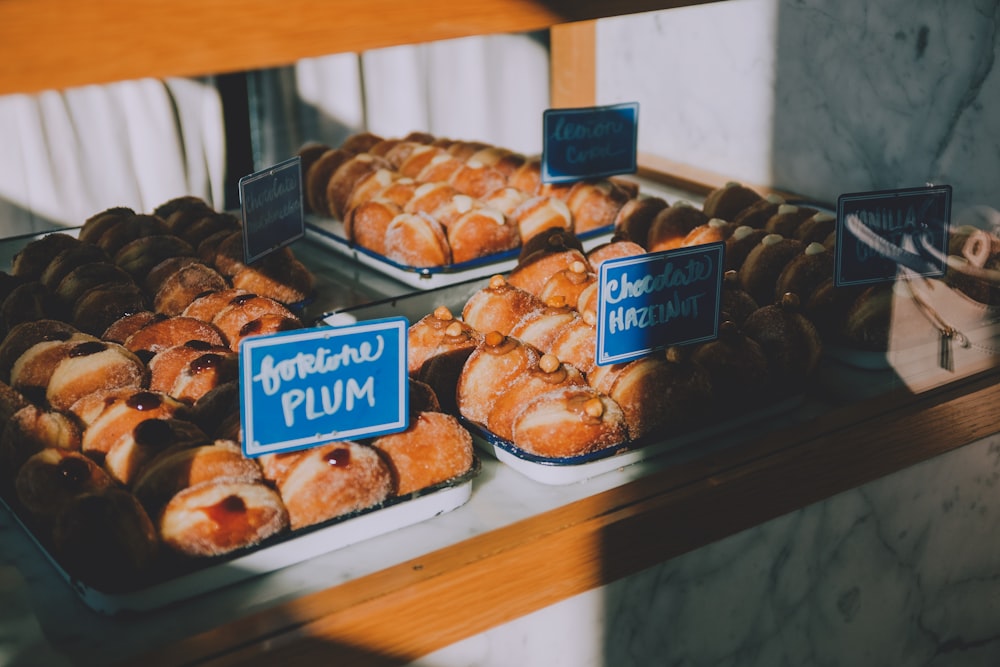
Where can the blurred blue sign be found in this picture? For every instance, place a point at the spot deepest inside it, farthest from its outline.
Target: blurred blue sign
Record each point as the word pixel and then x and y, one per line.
pixel 589 142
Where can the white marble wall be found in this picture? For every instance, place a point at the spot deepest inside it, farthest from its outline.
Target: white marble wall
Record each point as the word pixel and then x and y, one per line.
pixel 904 571
pixel 816 97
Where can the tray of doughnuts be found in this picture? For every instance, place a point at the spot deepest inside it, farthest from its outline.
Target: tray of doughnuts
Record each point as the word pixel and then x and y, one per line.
pixel 120 448
pixel 430 211
pixel 515 357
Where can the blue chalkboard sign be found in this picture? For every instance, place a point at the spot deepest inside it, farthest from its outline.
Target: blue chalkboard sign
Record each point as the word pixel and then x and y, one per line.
pixel 879 232
pixel 589 142
pixel 650 302
pixel 271 202
pixel 302 388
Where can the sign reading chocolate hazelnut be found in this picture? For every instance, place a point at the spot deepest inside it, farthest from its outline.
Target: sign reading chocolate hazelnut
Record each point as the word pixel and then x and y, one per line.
pixel 271 202
pixel 650 302
pixel 589 142
pixel 311 386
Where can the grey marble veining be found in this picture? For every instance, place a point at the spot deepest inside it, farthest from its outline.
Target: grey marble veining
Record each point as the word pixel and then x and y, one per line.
pixel 815 97
pixel 903 571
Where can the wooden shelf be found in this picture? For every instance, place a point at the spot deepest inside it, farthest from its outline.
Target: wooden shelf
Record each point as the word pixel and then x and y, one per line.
pixel 56 44
pixel 404 612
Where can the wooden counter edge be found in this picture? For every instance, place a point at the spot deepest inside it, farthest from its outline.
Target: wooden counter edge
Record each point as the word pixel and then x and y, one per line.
pixel 57 44
pixel 399 614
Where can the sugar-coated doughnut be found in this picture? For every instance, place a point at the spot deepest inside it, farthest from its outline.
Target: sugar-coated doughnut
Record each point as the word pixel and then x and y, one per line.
pixel 159 335
pixel 546 374
pixel 221 516
pixel 499 306
pixel 417 240
pixel 489 370
pixel 542 212
pixel 333 480
pixel 595 204
pixel 92 366
pixel 569 421
pixel 49 478
pixel 433 449
pixel 134 450
pixel 30 429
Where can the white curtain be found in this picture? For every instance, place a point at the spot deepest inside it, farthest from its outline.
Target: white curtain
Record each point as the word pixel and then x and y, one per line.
pixel 65 155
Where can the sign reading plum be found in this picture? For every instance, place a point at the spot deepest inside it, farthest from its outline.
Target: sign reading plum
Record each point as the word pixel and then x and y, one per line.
pixel 879 232
pixel 309 386
pixel 589 142
pixel 271 202
pixel 650 302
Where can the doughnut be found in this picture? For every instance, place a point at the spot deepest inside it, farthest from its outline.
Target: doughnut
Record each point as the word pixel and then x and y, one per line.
pixel 30 262
pixel 636 216
pixel 180 467
pixel 787 218
pixel 539 213
pixel 715 230
pixel 416 158
pixel 100 306
pixel 737 369
pixel 816 229
pixel 729 200
pixel 735 303
pixel 505 199
pixel 213 223
pixel 347 175
pixel 541 327
pixel 121 412
pixel 499 306
pixel 433 449
pixel 567 284
pixel 368 187
pixel 217 412
pixel 534 270
pixel 95 226
pixel 138 257
pixel 49 478
pixel 739 244
pixel 366 223
pixel 763 265
pixel 617 247
pixel 553 238
pixel 218 517
pixel 91 366
pixel 241 310
pixel 119 330
pixel 867 325
pixel 68 259
pixel 595 204
pixel 87 276
pixel 757 214
pixel 440 168
pixel 503 160
pixel 672 224
pixel 270 323
pixel 527 177
pixel 129 229
pixel 318 176
pixel 334 480
pixel 545 375
pixel 804 272
pixel 184 285
pixel 106 539
pixel 417 240
pixel 27 302
pixel 433 334
pixel 576 343
pixel 360 142
pixel 207 306
pixel 159 335
pixel 790 341
pixel 33 369
pixel 479 232
pixel 29 430
pixel 489 370
pixel 192 369
pixel 569 421
pixel 22 336
pixel 135 449
pixel 430 197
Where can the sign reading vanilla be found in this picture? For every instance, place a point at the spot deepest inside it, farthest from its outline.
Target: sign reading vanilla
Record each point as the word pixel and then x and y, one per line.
pixel 589 142
pixel 650 302
pixel 879 232
pixel 271 203
pixel 310 386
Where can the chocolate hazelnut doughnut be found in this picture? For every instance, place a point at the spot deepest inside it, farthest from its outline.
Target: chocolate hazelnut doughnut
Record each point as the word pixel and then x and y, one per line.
pixel 499 306
pixel 568 283
pixel 569 421
pixel 489 371
pixel 547 374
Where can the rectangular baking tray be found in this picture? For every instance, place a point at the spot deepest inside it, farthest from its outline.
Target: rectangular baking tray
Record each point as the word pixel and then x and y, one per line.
pixel 277 553
pixel 548 470
pixel 329 233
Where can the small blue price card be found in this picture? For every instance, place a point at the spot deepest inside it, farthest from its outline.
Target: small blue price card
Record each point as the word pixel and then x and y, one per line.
pixel 650 302
pixel 271 202
pixel 306 387
pixel 589 142
pixel 879 232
